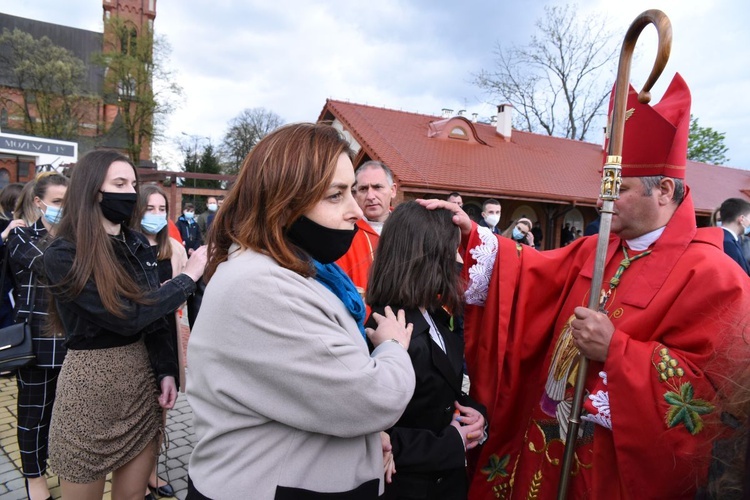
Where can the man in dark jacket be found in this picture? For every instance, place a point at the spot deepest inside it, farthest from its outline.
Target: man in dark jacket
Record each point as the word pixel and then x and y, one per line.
pixel 189 230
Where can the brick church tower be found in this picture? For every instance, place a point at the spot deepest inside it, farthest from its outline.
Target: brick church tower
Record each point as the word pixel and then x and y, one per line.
pixel 124 22
pixel 139 13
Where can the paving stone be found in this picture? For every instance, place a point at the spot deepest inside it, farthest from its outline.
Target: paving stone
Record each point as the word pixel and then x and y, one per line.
pixel 181 442
pixel 173 463
pixel 183 417
pixel 177 433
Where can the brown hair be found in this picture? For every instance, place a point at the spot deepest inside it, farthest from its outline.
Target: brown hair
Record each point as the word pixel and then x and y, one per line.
pixel 415 262
pixel 25 208
pixel 281 179
pixel 81 224
pixel 8 197
pixel 163 245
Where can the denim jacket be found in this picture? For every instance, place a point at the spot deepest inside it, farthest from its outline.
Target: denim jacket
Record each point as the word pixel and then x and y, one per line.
pixel 88 324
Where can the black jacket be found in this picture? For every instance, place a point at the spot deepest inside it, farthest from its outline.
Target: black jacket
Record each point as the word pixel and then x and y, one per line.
pixel 25 250
pixel 733 248
pixel 88 324
pixel 428 451
pixel 190 233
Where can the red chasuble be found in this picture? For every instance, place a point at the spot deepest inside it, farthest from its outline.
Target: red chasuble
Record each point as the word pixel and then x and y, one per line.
pixel 357 260
pixel 647 409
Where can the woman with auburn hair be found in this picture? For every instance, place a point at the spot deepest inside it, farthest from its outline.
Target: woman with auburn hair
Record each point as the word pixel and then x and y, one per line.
pixel 415 270
pixel 287 401
pixel 107 415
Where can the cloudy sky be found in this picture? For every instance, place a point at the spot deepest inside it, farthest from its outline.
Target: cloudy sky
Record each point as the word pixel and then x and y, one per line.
pixel 288 56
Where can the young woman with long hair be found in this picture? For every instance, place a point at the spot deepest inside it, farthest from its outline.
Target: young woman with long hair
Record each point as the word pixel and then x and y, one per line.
pixel 287 401
pixel 415 270
pixel 37 382
pixel 120 368
pixel 170 261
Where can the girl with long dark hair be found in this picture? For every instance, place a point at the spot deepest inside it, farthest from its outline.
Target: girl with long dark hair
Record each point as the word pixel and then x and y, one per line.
pixel 120 370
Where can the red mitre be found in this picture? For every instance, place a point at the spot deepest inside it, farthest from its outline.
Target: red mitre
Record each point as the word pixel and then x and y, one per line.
pixel 656 137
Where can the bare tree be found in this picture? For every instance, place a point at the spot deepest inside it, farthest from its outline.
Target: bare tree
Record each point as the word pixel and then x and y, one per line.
pixel 50 80
pixel 556 82
pixel 245 130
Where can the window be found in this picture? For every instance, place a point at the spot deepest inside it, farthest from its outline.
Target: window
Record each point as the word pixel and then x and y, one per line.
pixel 129 41
pixel 458 133
pixel 127 88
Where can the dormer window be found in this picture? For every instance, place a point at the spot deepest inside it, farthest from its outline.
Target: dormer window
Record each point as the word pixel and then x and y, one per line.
pixel 458 133
pixel 457 127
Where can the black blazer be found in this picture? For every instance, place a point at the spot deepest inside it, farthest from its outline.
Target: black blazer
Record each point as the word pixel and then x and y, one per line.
pixel 429 453
pixel 733 248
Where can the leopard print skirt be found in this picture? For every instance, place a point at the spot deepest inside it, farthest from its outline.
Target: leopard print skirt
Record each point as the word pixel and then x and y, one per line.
pixel 106 412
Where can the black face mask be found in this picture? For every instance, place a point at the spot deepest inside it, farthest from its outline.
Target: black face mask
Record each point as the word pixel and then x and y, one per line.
pixel 118 207
pixel 324 244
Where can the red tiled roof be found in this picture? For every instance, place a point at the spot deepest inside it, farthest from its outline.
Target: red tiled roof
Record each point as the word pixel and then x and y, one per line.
pixel 529 166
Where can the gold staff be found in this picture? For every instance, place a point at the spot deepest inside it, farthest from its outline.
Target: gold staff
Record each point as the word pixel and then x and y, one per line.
pixel 610 191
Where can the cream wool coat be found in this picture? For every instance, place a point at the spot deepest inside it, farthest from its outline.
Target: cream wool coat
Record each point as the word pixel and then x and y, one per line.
pixel 282 387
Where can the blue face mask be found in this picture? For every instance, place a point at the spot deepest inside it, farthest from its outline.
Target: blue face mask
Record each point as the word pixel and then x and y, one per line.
pixel 747 230
pixel 153 223
pixel 52 214
pixel 517 234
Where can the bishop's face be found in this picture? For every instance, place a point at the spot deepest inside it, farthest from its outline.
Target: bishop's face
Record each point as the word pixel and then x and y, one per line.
pixel 635 213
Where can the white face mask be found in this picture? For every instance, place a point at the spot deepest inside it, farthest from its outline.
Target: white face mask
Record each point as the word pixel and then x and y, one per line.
pixel 492 220
pixel 212 207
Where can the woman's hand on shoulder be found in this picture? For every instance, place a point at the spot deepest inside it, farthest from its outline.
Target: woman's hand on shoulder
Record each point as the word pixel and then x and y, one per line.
pixel 196 264
pixel 390 327
pixel 12 225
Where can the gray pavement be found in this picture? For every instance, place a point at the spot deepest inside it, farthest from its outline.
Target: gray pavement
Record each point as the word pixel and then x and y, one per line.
pixel 173 463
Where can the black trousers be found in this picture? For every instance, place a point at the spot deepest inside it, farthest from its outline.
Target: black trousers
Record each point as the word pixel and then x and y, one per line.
pixel 36 395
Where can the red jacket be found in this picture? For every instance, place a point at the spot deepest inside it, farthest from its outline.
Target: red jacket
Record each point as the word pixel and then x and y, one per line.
pixel 356 262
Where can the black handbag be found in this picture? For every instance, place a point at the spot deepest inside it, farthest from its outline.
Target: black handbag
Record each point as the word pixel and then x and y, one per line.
pixel 16 347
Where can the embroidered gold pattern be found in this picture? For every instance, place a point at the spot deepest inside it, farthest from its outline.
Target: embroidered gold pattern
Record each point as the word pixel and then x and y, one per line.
pixel 536 484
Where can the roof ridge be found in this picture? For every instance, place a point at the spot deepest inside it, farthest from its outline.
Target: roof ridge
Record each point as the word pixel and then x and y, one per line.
pixel 384 108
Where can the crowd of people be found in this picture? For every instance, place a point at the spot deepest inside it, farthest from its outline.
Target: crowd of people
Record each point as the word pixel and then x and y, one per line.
pixel 337 328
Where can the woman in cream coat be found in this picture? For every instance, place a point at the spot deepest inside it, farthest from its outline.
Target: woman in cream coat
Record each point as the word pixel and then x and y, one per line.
pixel 287 401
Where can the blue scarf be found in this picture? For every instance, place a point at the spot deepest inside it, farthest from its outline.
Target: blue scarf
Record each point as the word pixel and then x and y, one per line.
pixel 335 279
